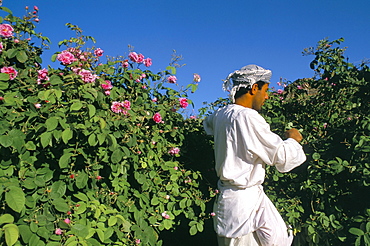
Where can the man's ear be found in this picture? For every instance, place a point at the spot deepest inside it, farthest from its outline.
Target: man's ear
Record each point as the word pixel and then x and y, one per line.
pixel 254 89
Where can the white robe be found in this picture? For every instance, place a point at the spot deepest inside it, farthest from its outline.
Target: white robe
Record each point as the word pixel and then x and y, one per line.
pixel 244 144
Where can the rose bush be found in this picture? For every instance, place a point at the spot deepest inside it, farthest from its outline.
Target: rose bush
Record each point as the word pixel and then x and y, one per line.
pixel 90 152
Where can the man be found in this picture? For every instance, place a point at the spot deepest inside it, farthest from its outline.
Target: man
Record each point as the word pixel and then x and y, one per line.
pixel 244 144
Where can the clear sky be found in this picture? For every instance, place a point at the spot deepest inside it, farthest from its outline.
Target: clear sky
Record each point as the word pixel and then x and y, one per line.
pixel 214 37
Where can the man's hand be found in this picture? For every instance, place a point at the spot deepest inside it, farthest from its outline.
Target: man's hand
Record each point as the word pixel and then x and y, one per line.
pixel 295 134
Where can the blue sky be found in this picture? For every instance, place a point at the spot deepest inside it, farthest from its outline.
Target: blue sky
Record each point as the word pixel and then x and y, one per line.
pixel 214 37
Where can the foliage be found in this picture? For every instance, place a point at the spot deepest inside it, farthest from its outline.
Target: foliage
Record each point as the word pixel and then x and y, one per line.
pixel 326 199
pixel 90 152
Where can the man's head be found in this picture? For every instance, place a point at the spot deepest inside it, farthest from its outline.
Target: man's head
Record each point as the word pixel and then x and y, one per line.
pixel 248 86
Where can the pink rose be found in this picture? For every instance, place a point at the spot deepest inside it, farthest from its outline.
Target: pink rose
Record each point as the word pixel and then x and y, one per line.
pixel 165 215
pixel 66 57
pixel 172 79
pixel 147 62
pixel 174 151
pixel 1 47
pixel 196 78
pixel 121 107
pixel 36 8
pixel 140 58
pixel 125 64
pixel 280 91
pixel 67 221
pixel 37 105
pixel 154 99
pixel 6 30
pixel 43 74
pixel 193 117
pixel 107 92
pixel 107 85
pixel 183 102
pixel 137 241
pixel 11 71
pixel 87 76
pixel 133 56
pixel 98 52
pixel 58 231
pixel 16 41
pixel 157 118
pixel 213 214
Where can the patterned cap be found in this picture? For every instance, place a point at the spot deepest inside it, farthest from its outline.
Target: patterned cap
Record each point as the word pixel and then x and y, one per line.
pixel 245 77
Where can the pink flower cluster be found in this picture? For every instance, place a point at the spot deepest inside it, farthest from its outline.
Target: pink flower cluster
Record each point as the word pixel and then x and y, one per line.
pixel 87 76
pixel 66 57
pixel 157 118
pixel 183 102
pixel 139 58
pixel 172 79
pixel 42 75
pixel 1 47
pixel 121 107
pixel 6 30
pixel 58 231
pixel 174 151
pixel 98 52
pixel 11 71
pixel 165 215
pixel 107 86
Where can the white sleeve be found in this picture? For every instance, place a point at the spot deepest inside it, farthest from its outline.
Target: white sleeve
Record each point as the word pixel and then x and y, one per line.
pixel 208 125
pixel 273 151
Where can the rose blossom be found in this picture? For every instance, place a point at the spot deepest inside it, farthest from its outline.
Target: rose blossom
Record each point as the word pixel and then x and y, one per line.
pixel 125 64
pixel 147 62
pixel 58 231
pixel 11 71
pixel 121 107
pixel 196 78
pixel 174 151
pixel 133 56
pixel 66 57
pixel 172 79
pixel 183 102
pixel 107 92
pixel 37 105
pixel 140 58
pixel 67 221
pixel 87 76
pixel 42 75
pixel 137 241
pixel 165 215
pixel 279 91
pixel 6 30
pixel 98 52
pixel 107 85
pixel 1 47
pixel 213 214
pixel 157 118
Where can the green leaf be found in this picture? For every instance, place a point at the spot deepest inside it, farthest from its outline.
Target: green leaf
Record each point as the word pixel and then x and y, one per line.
pixel 92 110
pixel 4 77
pixel 12 53
pixel 81 180
pixel 76 106
pixel 193 230
pixel 46 139
pixel 60 205
pixel 116 156
pixel 112 221
pixel 30 145
pixel 92 140
pixel 51 123
pixel 11 234
pixel 80 230
pixel 15 198
pixel 64 160
pixel 356 231
pixel 6 10
pixel 22 56
pixel 67 135
pixel 6 219
pixel 58 189
pixel 81 196
pixel 3 85
pixel 6 140
pixel 25 233
pixel 100 234
pixel 316 156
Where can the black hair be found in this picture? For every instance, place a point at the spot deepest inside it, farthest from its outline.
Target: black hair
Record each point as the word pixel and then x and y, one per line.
pixel 243 90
